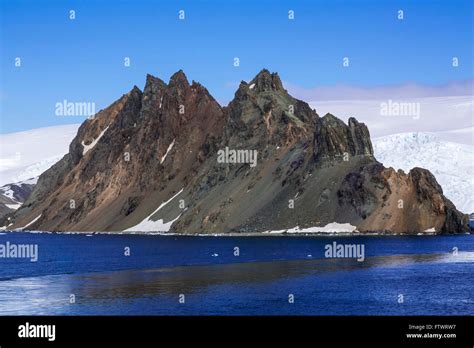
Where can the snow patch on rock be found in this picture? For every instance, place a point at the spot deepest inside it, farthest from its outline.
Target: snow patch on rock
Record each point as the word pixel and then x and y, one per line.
pixel 333 227
pixel 167 151
pixel 148 225
pixel 30 223
pixel 93 143
pixel 7 192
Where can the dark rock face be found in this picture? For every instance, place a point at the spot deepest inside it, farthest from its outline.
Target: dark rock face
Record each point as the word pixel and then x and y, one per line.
pixel 334 139
pixel 263 113
pixel 387 200
pixel 265 81
pixel 161 148
pixel 145 145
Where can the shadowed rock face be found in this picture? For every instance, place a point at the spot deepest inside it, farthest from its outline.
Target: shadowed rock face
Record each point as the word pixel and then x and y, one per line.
pixel 333 138
pixel 387 200
pixel 167 141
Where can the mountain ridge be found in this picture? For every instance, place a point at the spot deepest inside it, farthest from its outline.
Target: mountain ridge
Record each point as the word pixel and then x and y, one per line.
pixel 162 142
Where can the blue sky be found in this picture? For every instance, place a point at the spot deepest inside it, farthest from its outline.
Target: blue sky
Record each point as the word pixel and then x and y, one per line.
pixel 82 59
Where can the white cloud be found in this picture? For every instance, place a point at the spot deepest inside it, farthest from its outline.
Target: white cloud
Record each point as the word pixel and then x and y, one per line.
pixel 402 91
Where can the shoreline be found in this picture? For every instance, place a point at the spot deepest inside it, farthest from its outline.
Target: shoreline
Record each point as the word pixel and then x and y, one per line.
pixel 244 234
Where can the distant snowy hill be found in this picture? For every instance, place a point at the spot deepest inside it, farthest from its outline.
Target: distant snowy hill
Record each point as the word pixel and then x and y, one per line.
pixel 12 196
pixel 25 155
pixel 441 115
pixel 451 163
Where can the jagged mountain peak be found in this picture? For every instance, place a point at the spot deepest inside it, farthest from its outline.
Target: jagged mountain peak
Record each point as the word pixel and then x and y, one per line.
pixel 152 94
pixel 353 122
pixel 263 111
pixel 135 90
pixel 333 138
pixel 331 119
pixel 153 84
pixel 179 79
pixel 266 81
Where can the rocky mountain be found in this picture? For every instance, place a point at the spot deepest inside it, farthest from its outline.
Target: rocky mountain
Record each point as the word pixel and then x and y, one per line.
pixel 170 158
pixel 12 197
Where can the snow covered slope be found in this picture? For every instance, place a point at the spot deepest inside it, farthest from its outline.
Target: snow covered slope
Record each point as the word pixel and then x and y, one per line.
pixel 25 155
pixel 451 163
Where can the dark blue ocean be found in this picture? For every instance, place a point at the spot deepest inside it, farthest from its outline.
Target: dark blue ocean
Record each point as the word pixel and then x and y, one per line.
pixel 419 275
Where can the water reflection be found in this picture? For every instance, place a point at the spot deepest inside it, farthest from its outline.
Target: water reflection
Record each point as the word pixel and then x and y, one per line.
pixel 51 294
pixel 174 281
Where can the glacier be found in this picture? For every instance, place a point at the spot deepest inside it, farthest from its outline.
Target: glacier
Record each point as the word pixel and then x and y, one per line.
pixel 451 163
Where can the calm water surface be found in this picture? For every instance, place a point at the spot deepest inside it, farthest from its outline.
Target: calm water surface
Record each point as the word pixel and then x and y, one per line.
pixel 424 270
